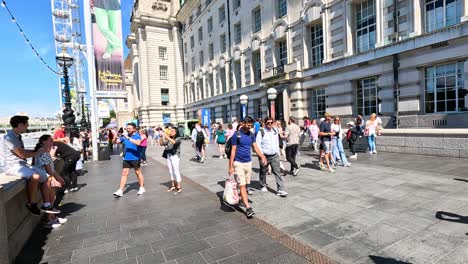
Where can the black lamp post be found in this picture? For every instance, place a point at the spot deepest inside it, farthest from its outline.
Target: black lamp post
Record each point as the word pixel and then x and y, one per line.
pixel 83 122
pixel 87 115
pixel 68 117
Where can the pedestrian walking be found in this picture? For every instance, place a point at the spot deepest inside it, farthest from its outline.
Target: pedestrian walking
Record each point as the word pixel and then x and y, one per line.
pixel 220 139
pixel 172 143
pixel 338 150
pixel 143 146
pixel 198 142
pixel 351 137
pixel 268 142
pixel 131 159
pixel 313 135
pixel 240 159
pixel 326 135
pixel 371 131
pixel 292 133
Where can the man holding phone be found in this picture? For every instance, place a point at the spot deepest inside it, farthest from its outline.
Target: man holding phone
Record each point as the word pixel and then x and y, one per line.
pixel 131 159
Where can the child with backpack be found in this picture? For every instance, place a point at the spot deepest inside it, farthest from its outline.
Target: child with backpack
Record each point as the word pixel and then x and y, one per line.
pixel 351 136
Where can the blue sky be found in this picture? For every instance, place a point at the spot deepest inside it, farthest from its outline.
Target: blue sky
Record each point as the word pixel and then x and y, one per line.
pixel 26 84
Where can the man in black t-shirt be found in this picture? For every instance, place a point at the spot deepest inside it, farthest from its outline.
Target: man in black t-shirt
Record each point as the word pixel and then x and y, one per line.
pixel 326 135
pixel 69 156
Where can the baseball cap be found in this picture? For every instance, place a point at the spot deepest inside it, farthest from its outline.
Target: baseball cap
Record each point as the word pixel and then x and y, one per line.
pixel 327 114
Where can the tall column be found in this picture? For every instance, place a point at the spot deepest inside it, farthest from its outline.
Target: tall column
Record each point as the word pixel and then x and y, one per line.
pixel 417 18
pixel 227 72
pixel 326 37
pixel 379 23
pixel 289 46
pixel 215 82
pixel 465 13
pixel 349 28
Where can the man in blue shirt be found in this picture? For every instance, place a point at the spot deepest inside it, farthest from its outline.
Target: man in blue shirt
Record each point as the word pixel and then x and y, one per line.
pixel 240 160
pixel 131 159
pixel 257 126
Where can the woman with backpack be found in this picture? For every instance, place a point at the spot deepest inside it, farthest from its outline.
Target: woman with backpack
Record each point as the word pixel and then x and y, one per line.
pixel 220 138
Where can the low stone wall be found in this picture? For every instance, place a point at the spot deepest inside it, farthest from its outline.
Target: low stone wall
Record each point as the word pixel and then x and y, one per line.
pixel 16 223
pixel 433 142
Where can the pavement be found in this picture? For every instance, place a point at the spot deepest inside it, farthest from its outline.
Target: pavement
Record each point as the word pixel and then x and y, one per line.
pixel 192 227
pixel 385 208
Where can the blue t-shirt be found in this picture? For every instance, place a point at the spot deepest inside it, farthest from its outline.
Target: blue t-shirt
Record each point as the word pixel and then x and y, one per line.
pixel 257 127
pixel 132 151
pixel 243 153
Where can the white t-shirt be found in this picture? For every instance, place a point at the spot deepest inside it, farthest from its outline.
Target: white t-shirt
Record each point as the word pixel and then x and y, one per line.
pixel 338 131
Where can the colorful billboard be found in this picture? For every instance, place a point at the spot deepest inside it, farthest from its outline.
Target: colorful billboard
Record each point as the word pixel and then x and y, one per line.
pixel 108 50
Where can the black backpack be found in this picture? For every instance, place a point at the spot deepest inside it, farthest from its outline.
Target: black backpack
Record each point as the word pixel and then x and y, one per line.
pixel 228 145
pixel 200 136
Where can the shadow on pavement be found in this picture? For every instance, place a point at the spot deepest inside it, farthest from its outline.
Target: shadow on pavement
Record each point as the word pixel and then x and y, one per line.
pixel 451 217
pixel 458 179
pixel 383 260
pixel 131 186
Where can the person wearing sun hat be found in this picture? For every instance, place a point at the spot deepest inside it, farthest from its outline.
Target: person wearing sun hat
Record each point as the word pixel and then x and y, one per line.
pixel 326 135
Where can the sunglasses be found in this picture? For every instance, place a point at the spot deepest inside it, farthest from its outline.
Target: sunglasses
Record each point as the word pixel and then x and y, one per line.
pixel 270 122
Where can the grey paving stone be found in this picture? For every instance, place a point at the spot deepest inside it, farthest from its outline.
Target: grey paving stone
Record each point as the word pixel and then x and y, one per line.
pixel 288 258
pixel 128 261
pixel 151 258
pixel 107 237
pixel 299 225
pixel 139 250
pixel 460 256
pixel 459 228
pixel 217 253
pixel 184 250
pixel 341 228
pixel 346 251
pixel 379 236
pixel 316 239
pixel 95 250
pixel 244 258
pixel 409 222
pixel 194 258
pixel 225 238
pixel 58 259
pixel 424 247
pixel 173 241
pixel 111 257
pixel 150 233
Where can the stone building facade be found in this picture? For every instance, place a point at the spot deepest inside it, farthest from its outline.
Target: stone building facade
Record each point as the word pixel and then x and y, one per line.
pixel 404 59
pixel 156 63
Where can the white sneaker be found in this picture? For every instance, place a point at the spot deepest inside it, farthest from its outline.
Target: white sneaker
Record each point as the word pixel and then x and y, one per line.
pixel 61 220
pixel 53 224
pixel 375 152
pixel 118 193
pixel 347 164
pixel 281 193
pixel 221 157
pixel 141 191
pixel 264 189
pixel 353 156
pixel 370 152
pixel 67 191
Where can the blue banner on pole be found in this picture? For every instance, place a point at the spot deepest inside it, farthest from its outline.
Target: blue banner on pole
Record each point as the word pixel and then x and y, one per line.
pixel 244 111
pixel 206 117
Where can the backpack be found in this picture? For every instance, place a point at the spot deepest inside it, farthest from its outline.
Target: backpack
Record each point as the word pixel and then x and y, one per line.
pixel 200 136
pixel 228 145
pixel 348 135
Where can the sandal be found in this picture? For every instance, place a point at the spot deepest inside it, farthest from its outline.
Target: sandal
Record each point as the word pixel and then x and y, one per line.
pixel 171 188
pixel 179 190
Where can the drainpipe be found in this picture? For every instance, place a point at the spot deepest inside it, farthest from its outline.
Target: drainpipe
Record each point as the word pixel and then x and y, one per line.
pixel 228 8
pixel 396 65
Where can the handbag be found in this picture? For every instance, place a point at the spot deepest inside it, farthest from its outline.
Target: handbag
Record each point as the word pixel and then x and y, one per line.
pixel 366 132
pixel 230 194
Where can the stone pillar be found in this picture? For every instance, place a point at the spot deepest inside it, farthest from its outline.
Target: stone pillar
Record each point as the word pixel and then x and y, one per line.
pixel 326 37
pixel 215 82
pixel 289 46
pixel 417 18
pixel 227 71
pixel 379 23
pixel 349 29
pixel 465 15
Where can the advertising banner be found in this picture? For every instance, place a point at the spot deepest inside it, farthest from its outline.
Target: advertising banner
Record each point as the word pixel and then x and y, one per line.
pixel 206 117
pixel 108 52
pixel 103 109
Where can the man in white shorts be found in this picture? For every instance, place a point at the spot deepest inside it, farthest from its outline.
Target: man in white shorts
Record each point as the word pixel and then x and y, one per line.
pixel 13 160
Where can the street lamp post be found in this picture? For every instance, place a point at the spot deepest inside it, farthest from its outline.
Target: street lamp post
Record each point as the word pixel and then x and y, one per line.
pixel 83 122
pixel 87 115
pixel 244 99
pixel 272 94
pixel 68 117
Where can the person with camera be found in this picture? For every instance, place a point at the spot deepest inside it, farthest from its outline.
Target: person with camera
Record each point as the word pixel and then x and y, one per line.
pixel 171 143
pixel 131 159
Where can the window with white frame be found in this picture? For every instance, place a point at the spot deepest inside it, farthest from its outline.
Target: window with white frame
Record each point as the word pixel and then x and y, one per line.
pixel 442 13
pixel 222 43
pixel 210 24
pixel 319 105
pixel 201 58
pixel 365 25
pixel 282 53
pixel 163 53
pixel 237 33
pixel 366 96
pixel 163 72
pixel 257 20
pixel 282 8
pixel 164 96
pixel 222 14
pixel 316 45
pixel 192 42
pixel 257 66
pixel 200 34
pixel 444 88
pixel 211 51
pixel 236 4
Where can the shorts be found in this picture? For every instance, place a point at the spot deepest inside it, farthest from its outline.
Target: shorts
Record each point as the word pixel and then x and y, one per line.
pixel 128 164
pixel 199 145
pixel 327 146
pixel 221 143
pixel 26 171
pixel 243 171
